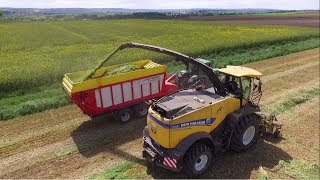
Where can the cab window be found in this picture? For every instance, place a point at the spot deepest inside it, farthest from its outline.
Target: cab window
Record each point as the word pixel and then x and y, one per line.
pixel 233 85
pixel 246 86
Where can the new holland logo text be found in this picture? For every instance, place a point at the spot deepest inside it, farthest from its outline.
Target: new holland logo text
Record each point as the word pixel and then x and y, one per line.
pixel 200 122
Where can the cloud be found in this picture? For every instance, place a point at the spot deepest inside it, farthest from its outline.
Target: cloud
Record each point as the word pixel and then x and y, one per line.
pixel 164 4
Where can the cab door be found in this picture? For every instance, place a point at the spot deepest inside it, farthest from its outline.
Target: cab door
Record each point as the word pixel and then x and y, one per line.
pixel 246 87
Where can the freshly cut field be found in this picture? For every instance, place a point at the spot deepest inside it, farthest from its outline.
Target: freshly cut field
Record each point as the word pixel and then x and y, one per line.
pixel 64 143
pixel 310 19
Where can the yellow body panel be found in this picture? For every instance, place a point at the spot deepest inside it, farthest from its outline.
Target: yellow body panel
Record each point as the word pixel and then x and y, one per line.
pixel 240 71
pixel 157 131
pixel 170 137
pixel 147 68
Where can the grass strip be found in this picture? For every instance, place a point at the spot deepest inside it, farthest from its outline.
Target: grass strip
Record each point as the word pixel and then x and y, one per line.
pixel 115 172
pixel 123 170
pixel 263 175
pixel 292 100
pixel 23 102
pixel 299 169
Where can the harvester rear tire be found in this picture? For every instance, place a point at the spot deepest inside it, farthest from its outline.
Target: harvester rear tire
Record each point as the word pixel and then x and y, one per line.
pixel 246 133
pixel 197 159
pixel 123 115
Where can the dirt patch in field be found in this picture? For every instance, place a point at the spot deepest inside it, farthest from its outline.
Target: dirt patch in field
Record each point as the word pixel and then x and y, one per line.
pixel 64 143
pixel 306 19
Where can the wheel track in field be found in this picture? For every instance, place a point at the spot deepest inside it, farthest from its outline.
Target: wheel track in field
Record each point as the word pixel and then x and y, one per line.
pixel 294 58
pixel 42 162
pixel 268 100
pixel 50 151
pixel 288 72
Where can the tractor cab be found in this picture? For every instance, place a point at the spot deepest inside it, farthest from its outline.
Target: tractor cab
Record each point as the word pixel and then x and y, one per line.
pixel 193 75
pixel 242 82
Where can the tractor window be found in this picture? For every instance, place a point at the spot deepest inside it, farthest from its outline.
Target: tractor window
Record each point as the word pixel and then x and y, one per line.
pixel 222 78
pixel 238 91
pixel 246 86
pixel 233 85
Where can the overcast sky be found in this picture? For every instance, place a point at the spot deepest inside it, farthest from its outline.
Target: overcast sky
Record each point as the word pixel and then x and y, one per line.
pixel 164 4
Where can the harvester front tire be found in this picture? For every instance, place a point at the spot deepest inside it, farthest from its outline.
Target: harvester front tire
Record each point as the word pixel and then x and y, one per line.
pixel 197 160
pixel 246 133
pixel 124 115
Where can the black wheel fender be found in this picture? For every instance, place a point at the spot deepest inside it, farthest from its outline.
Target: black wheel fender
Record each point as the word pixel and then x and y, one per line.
pixel 187 142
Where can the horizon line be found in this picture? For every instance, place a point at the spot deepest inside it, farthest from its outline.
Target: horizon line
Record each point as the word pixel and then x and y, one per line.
pixel 163 8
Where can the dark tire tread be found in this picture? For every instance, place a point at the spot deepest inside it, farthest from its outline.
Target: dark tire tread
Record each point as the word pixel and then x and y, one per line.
pixel 236 143
pixel 117 115
pixel 192 155
pixel 137 108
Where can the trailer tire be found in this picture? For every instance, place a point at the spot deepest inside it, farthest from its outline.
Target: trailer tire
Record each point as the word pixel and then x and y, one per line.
pixel 123 115
pixel 246 133
pixel 141 110
pixel 197 159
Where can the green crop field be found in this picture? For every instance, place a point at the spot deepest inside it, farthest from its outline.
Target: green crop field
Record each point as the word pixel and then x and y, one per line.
pixel 34 54
pixel 37 53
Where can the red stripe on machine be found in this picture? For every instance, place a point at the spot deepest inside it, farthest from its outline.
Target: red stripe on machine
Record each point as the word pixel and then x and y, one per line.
pixel 165 163
pixel 150 87
pixel 159 84
pixel 173 163
pixel 168 162
pixel 112 100
pixel 122 94
pixel 132 91
pixel 100 96
pixel 141 89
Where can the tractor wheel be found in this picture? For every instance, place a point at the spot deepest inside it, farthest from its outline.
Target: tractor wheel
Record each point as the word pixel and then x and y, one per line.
pixel 197 159
pixel 123 115
pixel 246 133
pixel 141 110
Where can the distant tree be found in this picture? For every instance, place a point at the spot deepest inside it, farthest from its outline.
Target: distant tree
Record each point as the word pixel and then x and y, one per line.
pixel 1 13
